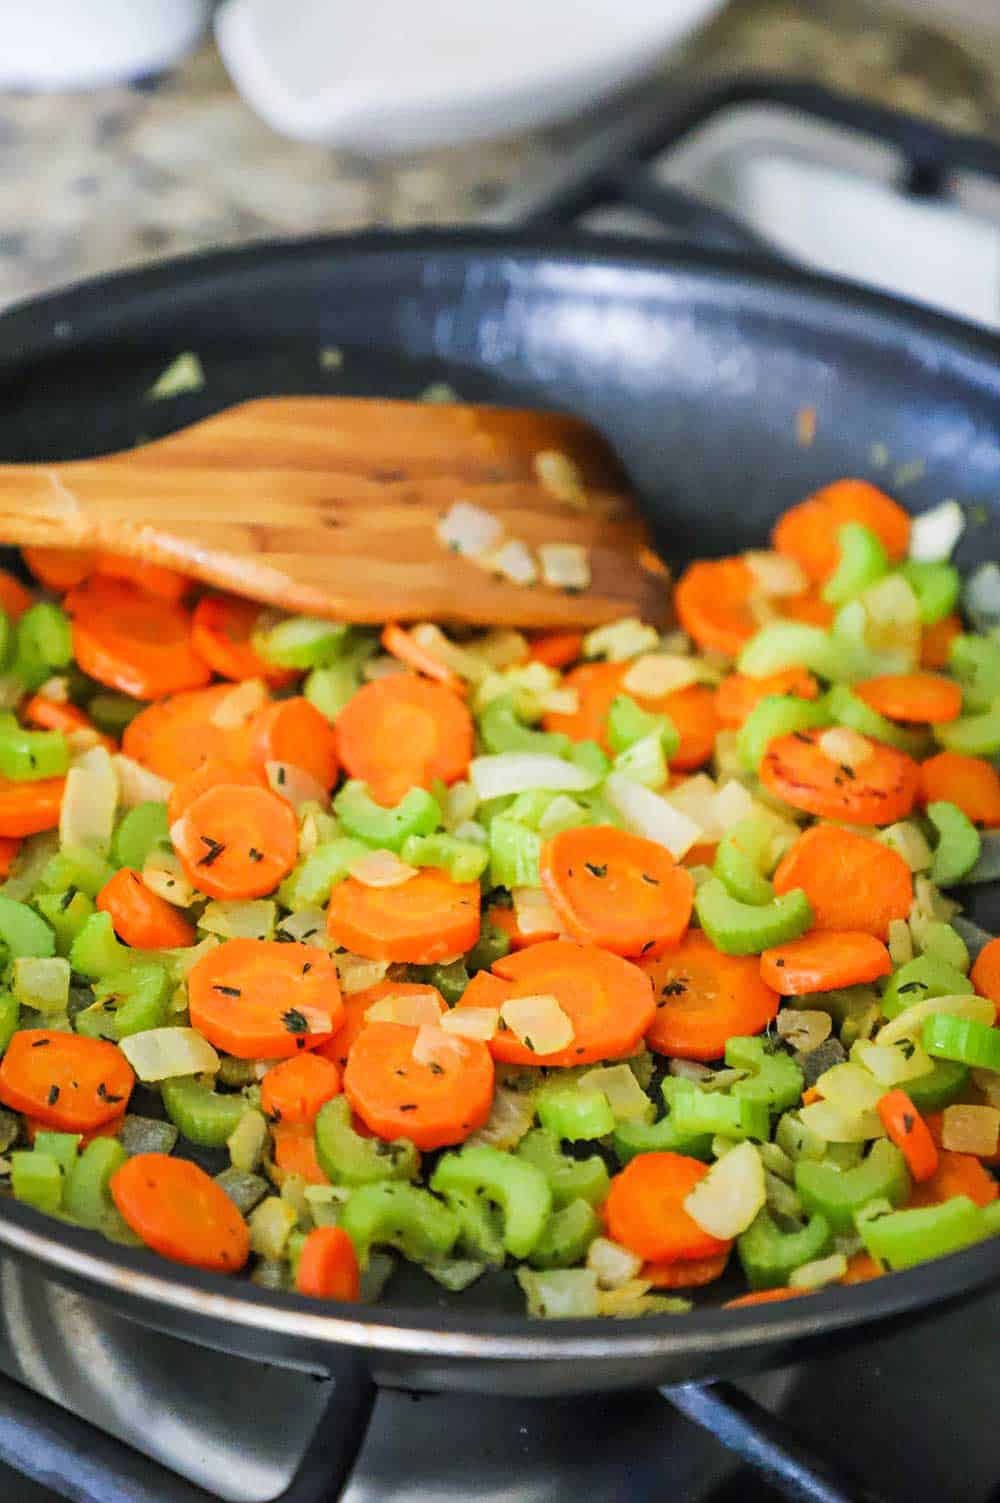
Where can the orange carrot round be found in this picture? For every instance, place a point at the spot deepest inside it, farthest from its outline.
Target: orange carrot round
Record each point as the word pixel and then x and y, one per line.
pixel 595 685
pixel 60 569
pixel 809 608
pixel 142 918
pixel 65 1080
pixel 293 1091
pixel 645 1210
pixel 852 882
pixel 236 842
pixel 956 1174
pixel 910 1133
pixel 401 732
pixel 617 890
pixel 713 604
pixel 985 973
pixel 823 961
pixel 176 736
pixel 259 999
pixel 704 998
pixel 763 1297
pixel 221 628
pixel 398 641
pixel 328 1266
pixel 608 1000
pixel 972 783
pixel 180 1212
pixel 693 715
pixel 435 1103
pixel 153 578
pixel 356 1005
pixel 427 919
pixel 293 730
pixel 132 641
pixel 691 1274
pixel 30 808
pixel 809 531
pixel 921 698
pixel 879 792
pixel 14 597
pixel 737 695
pixel 210 775
pixel 935 646
pixel 293 1149
pixel 556 649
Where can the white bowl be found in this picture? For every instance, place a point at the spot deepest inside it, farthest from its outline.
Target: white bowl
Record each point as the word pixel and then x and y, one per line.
pixel 394 76
pixel 83 44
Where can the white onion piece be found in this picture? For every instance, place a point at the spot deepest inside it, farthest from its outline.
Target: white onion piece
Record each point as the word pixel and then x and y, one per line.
pixel 646 813
pixel 696 798
pixel 970 1129
pixel 469 530
pixel 659 673
pixel 295 784
pixel 775 574
pixel 137 785
pixel 733 802
pixel 818 1273
pixel 560 477
pixel 240 705
pixel 520 772
pixel 431 639
pixel 472 1022
pixel 307 926
pixel 625 1095
pixel 397 1007
pixel 565 565
pixel 846 747
pixel 55 690
pixel 850 1088
pixel 164 875
pixel 560 1293
pixel 381 869
pixel 513 561
pixel 87 818
pixel 935 533
pixel 613 1264
pixel 356 973
pixel 836 1126
pixel 163 1053
pixel 620 640
pixel 909 1023
pixel 726 1201
pixel 534 913
pixel 538 1022
pixel 432 1046
pixel 249 918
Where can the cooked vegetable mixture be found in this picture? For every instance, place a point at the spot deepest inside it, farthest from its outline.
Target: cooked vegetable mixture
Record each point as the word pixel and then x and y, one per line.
pixel 620 960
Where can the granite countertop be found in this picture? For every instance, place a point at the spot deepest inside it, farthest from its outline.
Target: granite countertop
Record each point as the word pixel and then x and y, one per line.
pixel 117 177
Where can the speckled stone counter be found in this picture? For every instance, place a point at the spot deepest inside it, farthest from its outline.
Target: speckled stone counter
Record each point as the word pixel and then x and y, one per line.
pixel 97 181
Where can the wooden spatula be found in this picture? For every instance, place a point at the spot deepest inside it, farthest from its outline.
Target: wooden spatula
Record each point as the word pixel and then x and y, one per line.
pixel 332 506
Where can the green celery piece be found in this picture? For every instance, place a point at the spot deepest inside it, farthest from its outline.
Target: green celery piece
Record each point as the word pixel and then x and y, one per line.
pixel 501 730
pixel 419 813
pixel 974 735
pixel 774 1078
pixel 6 640
pixel 450 980
pixel 740 860
pixel 863 561
pixel 27 756
pixel 958 844
pixel 923 977
pixel 776 715
pixel 389 1213
pixel 515 1185
pixel 770 1256
pixel 529 808
pixel 939 1087
pixel 310 884
pixel 514 854
pixel 643 762
pixel 789 644
pixel 568 1178
pixel 837 1194
pixel 66 913
pixel 480 1233
pixel 140 832
pixel 634 1137
pixel 128 1001
pixel 347 1158
pixel 936 586
pixel 463 860
pixel 573 1115
pixel 629 723
pixel 37 1179
pixel 567 1235
pixel 61 1146
pixel 492 945
pixel 847 709
pixel 589 756
pixel 962 1040
pixel 80 869
pixel 202 1115
pixel 746 929
pixel 10 1017
pixel 903 1238
pixel 96 952
pixel 854 657
pixel 797 1140
pixel 738 1117
pixel 111 713
pixel 943 942
pixel 975 662
pixel 43 643
pixel 302 642
pixel 23 931
pixel 87 1196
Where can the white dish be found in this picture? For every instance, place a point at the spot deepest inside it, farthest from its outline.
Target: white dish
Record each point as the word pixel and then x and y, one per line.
pixel 391 76
pixel 83 44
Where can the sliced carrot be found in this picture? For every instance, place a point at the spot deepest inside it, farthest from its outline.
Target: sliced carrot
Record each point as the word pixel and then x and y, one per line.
pixel 861 1268
pixel 617 890
pixel 180 1212
pixel 236 842
pixel 956 1174
pixel 851 881
pixel 557 649
pixel 434 1103
pixel 328 1266
pixel 970 782
pixel 810 1094
pixel 693 715
pixel 50 715
pixel 153 578
pixel 293 1147
pixel 985 973
pixel 141 918
pixel 595 686
pixel 293 1091
pixel 608 1000
pixel 824 960
pixel 645 1210
pixel 704 998
pixel 9 847
pixel 259 999
pixel 176 736
pixel 935 647
pixel 65 1080
pixel 702 853
pixel 879 792
pixel 137 643
pixel 221 628
pixel 293 730
pixel 910 1133
pixel 398 641
pixel 427 919
pixel 403 732
pixel 713 603
pixel 506 919
pixel 809 531
pixel 60 569
pixel 764 1297
pixel 737 695
pixel 14 597
pixel 691 1274
pixel 29 808
pixel 210 775
pixel 356 1005
pixel 809 608
pixel 921 698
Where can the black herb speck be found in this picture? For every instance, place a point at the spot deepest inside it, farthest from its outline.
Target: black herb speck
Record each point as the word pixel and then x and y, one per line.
pixel 780 964
pixel 283 937
pixel 435 1068
pixel 66 899
pixel 908 1121
pixel 215 850
pixel 40 1043
pixel 227 991
pixel 53 1095
pixel 528 1044
pixel 295 1021
pixel 647 946
pixel 675 988
pixel 281 777
pixel 254 854
pixel 408 1106
pixel 307 968
pixel 595 870
pixel 847 771
pixel 105 1095
pixel 653 881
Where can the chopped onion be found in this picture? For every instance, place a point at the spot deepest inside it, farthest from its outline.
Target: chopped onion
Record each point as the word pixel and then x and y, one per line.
pixel 271 1224
pixel 613 1264
pixel 560 701
pixel 511 1115
pixel 620 640
pixel 295 784
pixel 164 1053
pixel 307 926
pixel 819 1272
pixel 412 1011
pixel 689 1069
pixel 565 565
pixel 535 914
pixel 357 974
pixel 560 1293
pixel 431 639
pixel 433 1046
pixel 889 1064
pixel 625 1095
pixel 659 673
pixel 538 1022
pixel 846 747
pixel 981 596
pixel 893 622
pixel 560 477
pixel 251 918
pixel 137 785
pixel 521 772
pixel 87 818
pixel 646 813
pixel 696 797
pixel 164 875
pixel 776 574
pixel 727 1200
pixel 247 1141
pixel 970 1129
pixel 41 982
pixel 836 1126
pixel 900 942
pixel 803 1028
pixel 240 705
pixel 934 533
pixel 469 530
pixel 850 1088
pixel 55 690
pixel 472 1022
pixel 381 869
pixel 513 561
pixel 732 803
pixel 501 648
pixel 909 1023
pixel 182 961
pixel 460 804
